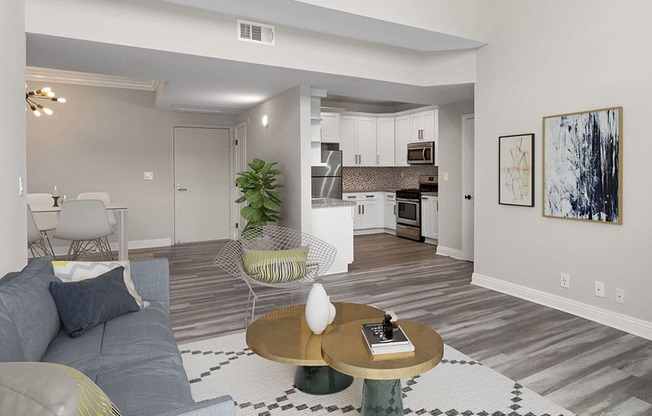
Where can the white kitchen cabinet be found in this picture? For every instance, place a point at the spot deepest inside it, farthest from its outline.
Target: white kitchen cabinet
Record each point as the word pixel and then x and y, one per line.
pixel 369 212
pixel 401 139
pixel 365 141
pixel 330 127
pixel 347 141
pixel 358 140
pixel 430 218
pixel 430 125
pixel 334 225
pixel 390 210
pixel 385 141
pixel 416 127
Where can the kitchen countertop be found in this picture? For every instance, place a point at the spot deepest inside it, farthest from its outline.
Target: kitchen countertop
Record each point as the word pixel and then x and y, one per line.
pixel 350 191
pixel 330 202
pixel 430 193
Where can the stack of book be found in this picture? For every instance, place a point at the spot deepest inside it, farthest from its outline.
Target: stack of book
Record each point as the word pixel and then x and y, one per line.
pixel 374 336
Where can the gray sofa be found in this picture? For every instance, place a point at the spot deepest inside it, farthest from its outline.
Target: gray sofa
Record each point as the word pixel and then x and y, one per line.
pixel 133 358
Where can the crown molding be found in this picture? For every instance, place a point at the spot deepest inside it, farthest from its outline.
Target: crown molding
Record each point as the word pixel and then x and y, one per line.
pixel 87 79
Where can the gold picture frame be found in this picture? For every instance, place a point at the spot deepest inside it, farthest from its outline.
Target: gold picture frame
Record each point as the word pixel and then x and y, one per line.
pixel 583 166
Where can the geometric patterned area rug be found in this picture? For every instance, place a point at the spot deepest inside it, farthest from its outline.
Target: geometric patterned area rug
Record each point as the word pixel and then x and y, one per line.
pixel 457 386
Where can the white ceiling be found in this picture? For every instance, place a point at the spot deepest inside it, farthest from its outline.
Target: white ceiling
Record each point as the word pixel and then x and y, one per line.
pixel 229 87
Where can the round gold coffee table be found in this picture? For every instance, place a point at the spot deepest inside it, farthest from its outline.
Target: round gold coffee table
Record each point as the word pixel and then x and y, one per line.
pixel 283 336
pixel 345 350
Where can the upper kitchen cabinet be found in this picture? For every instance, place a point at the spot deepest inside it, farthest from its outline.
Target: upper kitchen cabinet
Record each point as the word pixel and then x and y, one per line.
pixel 358 141
pixel 423 126
pixel 330 127
pixel 402 138
pixel 385 141
pixel 420 126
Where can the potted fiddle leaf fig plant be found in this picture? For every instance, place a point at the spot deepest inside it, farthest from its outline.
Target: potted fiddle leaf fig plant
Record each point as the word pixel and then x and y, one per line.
pixel 258 186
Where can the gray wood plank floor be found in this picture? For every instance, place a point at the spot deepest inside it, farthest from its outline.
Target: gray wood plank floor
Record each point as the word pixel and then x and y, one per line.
pixel 586 367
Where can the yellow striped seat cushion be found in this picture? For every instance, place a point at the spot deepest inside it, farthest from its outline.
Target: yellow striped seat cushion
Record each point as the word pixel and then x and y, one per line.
pixel 276 266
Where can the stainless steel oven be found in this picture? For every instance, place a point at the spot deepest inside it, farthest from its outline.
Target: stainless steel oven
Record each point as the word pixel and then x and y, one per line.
pixel 408 214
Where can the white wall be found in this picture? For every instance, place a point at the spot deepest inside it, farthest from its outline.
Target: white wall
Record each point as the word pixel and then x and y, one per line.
pixel 450 161
pixel 103 139
pixel 13 234
pixel 286 141
pixel 548 57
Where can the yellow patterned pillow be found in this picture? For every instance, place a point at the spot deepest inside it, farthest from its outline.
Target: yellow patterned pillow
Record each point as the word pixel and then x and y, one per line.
pixel 74 271
pixel 31 388
pixel 276 266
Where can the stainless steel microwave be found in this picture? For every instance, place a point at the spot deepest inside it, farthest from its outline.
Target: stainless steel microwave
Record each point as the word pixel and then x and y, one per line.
pixel 421 153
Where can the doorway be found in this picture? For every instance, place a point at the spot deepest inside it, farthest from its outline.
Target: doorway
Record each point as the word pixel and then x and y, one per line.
pixel 202 179
pixel 468 204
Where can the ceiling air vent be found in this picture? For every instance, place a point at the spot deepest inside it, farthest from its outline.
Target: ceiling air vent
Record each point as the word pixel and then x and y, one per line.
pixel 256 33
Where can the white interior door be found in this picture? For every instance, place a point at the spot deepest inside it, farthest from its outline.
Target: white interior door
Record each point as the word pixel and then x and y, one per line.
pixel 468 204
pixel 240 165
pixel 202 191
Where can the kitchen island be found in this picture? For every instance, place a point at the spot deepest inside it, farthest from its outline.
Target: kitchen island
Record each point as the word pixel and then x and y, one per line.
pixel 332 222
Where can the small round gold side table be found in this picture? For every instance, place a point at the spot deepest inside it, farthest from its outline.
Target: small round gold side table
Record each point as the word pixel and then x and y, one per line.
pixel 283 336
pixel 345 350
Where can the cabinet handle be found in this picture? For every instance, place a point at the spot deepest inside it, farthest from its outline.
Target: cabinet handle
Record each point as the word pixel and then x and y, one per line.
pixel 363 210
pixel 424 198
pixel 359 212
pixel 394 209
pixel 369 196
pixel 378 159
pixel 351 196
pixel 437 206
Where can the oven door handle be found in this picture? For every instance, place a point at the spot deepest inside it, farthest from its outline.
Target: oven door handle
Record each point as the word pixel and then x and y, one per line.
pixel 411 201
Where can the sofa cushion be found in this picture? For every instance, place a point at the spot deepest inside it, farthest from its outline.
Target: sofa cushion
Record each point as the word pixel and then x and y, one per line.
pixel 28 304
pixel 122 341
pixel 85 304
pixel 147 388
pixel 50 389
pixel 74 271
pixel 11 349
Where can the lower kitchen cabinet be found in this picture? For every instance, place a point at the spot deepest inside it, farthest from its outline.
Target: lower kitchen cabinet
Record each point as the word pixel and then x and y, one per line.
pixel 390 211
pixel 430 218
pixel 369 212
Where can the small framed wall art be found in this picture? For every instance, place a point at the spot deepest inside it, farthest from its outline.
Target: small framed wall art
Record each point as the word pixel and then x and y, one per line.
pixel 583 166
pixel 516 170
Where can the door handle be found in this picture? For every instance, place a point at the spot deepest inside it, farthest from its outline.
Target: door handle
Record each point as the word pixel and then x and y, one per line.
pixel 179 188
pixel 467 197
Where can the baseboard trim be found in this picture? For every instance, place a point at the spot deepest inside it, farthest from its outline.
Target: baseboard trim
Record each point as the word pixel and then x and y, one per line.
pixel 158 242
pixel 603 316
pixel 450 252
pixel 133 245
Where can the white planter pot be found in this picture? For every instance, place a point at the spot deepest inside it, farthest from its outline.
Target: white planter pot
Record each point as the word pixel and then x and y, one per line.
pixel 317 309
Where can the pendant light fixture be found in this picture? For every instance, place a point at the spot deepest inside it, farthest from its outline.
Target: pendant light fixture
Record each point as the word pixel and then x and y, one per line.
pixel 41 94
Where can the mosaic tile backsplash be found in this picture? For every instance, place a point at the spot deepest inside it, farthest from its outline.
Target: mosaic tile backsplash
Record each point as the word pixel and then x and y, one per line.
pixel 377 178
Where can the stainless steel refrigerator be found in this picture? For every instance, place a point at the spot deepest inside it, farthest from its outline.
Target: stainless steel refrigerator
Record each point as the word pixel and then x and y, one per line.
pixel 327 179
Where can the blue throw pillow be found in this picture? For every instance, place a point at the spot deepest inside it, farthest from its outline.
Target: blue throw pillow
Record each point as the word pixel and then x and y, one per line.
pixel 85 304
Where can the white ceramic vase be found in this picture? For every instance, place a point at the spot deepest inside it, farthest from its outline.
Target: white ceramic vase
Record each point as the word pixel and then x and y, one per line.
pixel 332 311
pixel 317 309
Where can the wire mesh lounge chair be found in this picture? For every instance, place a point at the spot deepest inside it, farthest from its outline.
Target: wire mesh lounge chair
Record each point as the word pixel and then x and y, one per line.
pixel 284 268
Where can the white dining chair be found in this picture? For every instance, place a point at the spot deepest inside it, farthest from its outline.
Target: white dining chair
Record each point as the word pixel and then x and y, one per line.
pixel 85 224
pixel 46 222
pixel 104 197
pixel 35 240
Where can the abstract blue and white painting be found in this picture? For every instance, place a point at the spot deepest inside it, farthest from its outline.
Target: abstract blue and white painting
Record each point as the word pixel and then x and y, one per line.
pixel 583 165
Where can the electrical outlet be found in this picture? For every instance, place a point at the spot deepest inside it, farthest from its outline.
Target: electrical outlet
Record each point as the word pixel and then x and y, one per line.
pixel 599 289
pixel 565 280
pixel 620 295
pixel 148 176
pixel 446 176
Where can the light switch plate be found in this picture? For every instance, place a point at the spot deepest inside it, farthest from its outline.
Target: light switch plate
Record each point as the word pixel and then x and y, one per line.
pixel 445 176
pixel 148 176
